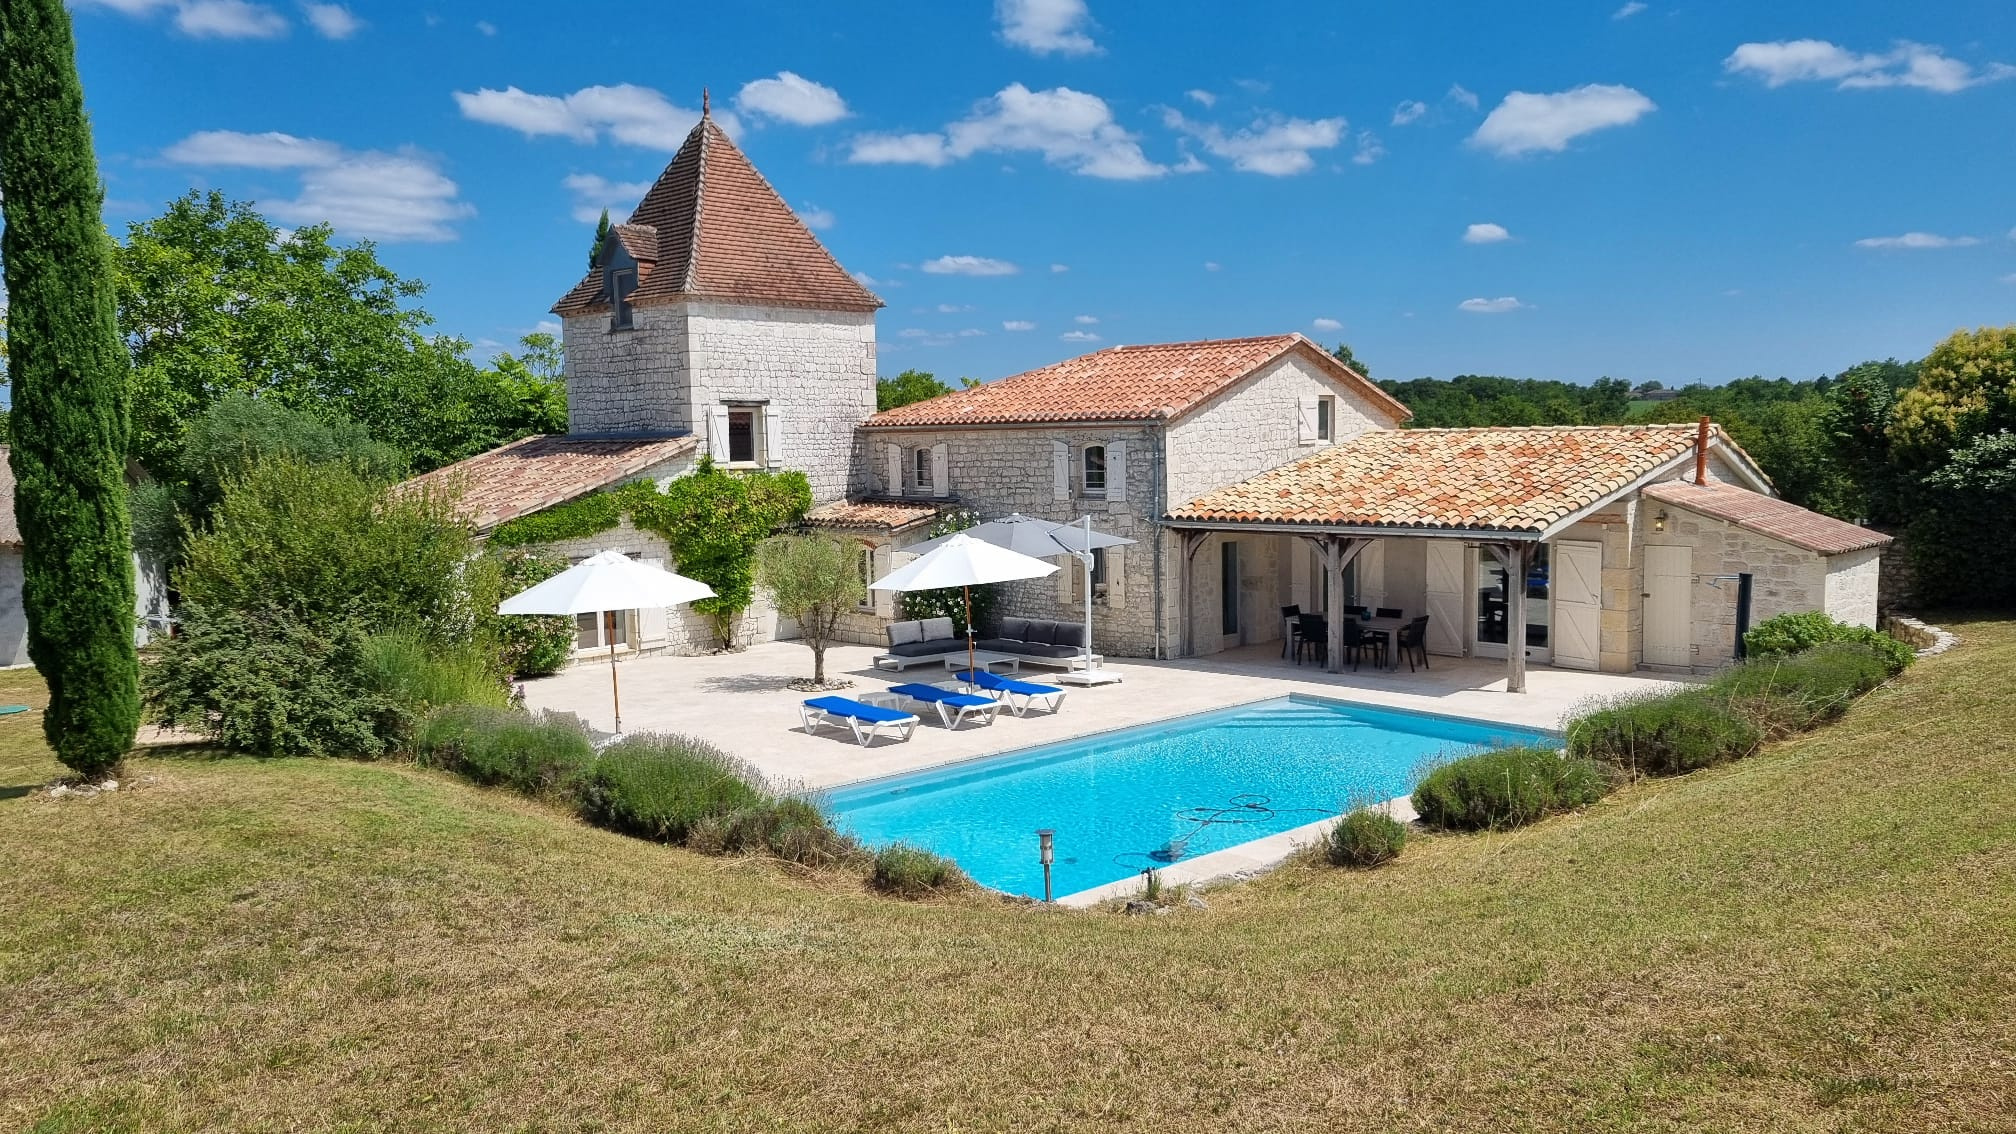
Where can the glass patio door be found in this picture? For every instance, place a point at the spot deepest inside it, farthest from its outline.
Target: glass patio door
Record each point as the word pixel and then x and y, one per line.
pixel 1489 630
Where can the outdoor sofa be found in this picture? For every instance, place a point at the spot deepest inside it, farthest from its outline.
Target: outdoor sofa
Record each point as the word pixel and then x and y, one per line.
pixel 1041 641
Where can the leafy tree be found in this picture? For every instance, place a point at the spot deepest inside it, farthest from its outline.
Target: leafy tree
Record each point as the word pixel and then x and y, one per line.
pixel 1859 407
pixel 601 236
pixel 907 387
pixel 714 520
pixel 814 579
pixel 1966 388
pixel 1342 353
pixel 214 299
pixel 1470 400
pixel 1961 535
pixel 71 410
pixel 522 394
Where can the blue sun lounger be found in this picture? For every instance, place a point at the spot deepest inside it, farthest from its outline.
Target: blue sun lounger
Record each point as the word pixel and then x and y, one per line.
pixel 867 721
pixel 1021 696
pixel 953 708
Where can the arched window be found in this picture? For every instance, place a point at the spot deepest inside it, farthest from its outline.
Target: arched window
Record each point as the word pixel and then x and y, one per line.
pixel 1095 470
pixel 921 457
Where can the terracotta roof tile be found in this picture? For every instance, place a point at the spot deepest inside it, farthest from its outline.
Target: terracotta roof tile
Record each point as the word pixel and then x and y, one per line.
pixel 539 472
pixel 719 231
pixel 1500 479
pixel 1768 515
pixel 882 515
pixel 1122 383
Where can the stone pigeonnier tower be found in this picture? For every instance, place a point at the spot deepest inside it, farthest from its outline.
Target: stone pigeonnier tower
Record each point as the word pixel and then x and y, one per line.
pixel 714 311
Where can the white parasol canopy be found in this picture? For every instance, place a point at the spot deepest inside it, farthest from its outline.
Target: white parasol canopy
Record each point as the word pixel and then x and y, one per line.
pixel 961 561
pixel 608 581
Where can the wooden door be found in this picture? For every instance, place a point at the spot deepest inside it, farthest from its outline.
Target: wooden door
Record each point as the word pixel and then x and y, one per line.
pixel 1669 590
pixel 1578 604
pixel 1444 597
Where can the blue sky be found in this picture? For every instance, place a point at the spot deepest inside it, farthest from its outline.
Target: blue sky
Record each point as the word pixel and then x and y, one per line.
pixel 1671 191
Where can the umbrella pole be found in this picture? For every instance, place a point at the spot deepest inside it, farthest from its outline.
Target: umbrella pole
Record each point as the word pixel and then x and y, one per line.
pixel 1088 592
pixel 968 592
pixel 615 701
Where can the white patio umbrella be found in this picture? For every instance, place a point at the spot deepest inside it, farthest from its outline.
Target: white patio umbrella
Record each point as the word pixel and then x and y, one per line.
pixel 607 582
pixel 1045 539
pixel 959 560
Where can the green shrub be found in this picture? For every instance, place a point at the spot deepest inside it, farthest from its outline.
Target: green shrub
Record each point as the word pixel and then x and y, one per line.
pixel 269 682
pixel 791 829
pixel 1797 633
pixel 658 787
pixel 539 756
pixel 528 645
pixel 419 676
pixel 1364 837
pixel 913 872
pixel 1507 787
pixel 1787 694
pixel 1664 734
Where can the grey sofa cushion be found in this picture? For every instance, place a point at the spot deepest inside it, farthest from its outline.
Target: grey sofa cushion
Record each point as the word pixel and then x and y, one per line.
pixel 938 628
pixel 928 647
pixel 901 633
pixel 1001 645
pixel 1016 629
pixel 1055 651
pixel 1041 632
pixel 1070 634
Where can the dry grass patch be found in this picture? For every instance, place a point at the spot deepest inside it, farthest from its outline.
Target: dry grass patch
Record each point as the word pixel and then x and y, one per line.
pixel 1816 938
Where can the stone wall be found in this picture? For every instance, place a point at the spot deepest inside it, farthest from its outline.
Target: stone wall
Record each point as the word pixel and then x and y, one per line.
pixel 998 471
pixel 1786 579
pixel 1897 576
pixel 13 616
pixel 632 381
pixel 1256 426
pixel 1851 585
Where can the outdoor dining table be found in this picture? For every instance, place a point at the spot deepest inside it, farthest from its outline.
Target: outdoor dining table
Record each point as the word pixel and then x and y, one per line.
pixel 1387 628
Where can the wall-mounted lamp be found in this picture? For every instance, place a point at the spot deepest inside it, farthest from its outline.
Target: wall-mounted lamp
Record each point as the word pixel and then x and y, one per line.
pixel 1659 521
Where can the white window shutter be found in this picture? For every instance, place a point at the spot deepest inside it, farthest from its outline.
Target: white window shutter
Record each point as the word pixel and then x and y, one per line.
pixel 1116 577
pixel 653 625
pixel 1306 417
pixel 941 461
pixel 1116 470
pixel 892 470
pixel 773 436
pixel 717 434
pixel 885 601
pixel 1060 470
pixel 1070 577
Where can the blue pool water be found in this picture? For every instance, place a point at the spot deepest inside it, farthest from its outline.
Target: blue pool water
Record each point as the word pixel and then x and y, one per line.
pixel 1124 801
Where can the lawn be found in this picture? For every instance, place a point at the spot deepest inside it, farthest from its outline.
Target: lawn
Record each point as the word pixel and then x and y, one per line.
pixel 1822 937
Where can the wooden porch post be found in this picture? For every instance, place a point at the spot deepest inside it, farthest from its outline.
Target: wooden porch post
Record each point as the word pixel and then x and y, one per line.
pixel 1338 552
pixel 1192 540
pixel 1514 557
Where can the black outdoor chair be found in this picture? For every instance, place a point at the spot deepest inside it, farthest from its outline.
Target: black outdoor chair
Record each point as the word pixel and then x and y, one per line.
pixel 1310 634
pixel 1412 642
pixel 1390 612
pixel 1291 629
pixel 1357 642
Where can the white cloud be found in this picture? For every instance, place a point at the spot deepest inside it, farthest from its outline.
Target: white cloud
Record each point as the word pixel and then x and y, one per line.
pixel 1017 325
pixel 968 266
pixel 1486 233
pixel 1628 10
pixel 864 279
pixel 373 194
pixel 1408 111
pixel 1205 99
pixel 1085 320
pixel 792 98
pixel 972 333
pixel 1326 324
pixel 332 21
pixel 953 308
pixel 486 27
pixel 633 115
pixel 272 150
pixel 593 193
pixel 816 218
pixel 130 7
pixel 1273 145
pixel 1916 240
pixel 1816 60
pixel 1211 265
pixel 1461 96
pixel 1079 337
pixel 1071 129
pixel 1060 268
pixel 1530 123
pixel 546 327
pixel 1044 26
pixel 1491 306
pixel 2010 278
pixel 913 333
pixel 1369 149
pixel 229 19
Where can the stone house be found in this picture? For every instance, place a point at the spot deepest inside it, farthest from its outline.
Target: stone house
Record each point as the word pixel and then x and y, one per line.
pixel 1252 474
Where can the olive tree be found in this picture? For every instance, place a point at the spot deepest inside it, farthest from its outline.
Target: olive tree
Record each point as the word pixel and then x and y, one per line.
pixel 813 579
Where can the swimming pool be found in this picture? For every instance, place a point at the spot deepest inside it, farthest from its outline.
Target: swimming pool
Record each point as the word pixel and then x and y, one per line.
pixel 1125 801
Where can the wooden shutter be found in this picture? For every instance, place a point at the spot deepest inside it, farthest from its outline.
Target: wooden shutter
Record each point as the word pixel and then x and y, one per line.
pixel 717 434
pixel 1577 589
pixel 1116 470
pixel 1444 596
pixel 892 470
pixel 941 462
pixel 1306 420
pixel 1070 578
pixel 653 624
pixel 773 436
pixel 1116 578
pixel 1060 470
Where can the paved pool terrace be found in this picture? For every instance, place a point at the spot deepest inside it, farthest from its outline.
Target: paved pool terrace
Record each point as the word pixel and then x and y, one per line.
pixel 741 702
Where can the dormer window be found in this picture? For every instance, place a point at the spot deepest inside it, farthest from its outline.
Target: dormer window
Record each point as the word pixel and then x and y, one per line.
pixel 622 284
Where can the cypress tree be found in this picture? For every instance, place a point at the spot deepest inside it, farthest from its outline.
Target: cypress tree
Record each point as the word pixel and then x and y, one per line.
pixel 601 234
pixel 71 418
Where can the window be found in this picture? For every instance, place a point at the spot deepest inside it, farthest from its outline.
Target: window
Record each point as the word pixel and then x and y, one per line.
pixel 1326 409
pixel 591 630
pixel 921 459
pixel 622 282
pixel 1095 470
pixel 1228 587
pixel 865 564
pixel 742 436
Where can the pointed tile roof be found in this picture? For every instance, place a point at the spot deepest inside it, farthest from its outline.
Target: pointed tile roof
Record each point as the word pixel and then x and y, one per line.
pixel 1123 383
pixel 712 228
